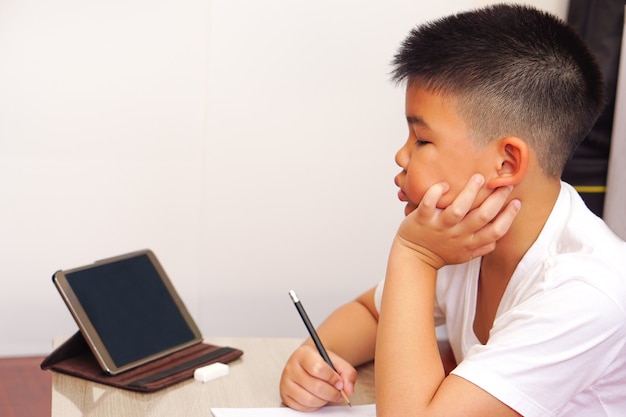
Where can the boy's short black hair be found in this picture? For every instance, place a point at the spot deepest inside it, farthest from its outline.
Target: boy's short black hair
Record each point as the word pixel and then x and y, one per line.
pixel 514 71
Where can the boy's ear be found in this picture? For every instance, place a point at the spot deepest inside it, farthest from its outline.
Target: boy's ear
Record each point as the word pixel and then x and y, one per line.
pixel 512 160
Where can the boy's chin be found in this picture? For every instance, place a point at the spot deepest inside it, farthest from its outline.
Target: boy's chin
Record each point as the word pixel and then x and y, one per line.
pixel 408 209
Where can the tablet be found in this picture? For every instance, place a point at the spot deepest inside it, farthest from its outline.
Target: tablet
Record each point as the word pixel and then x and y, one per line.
pixel 127 310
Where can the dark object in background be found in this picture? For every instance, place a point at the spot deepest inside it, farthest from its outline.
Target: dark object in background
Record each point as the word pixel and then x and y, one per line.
pixel 600 23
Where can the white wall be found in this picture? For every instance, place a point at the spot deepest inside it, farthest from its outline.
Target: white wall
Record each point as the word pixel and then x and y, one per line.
pixel 615 203
pixel 102 141
pixel 249 143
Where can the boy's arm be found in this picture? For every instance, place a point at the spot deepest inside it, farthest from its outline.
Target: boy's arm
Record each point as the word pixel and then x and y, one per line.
pixel 349 336
pixel 410 379
pixel 350 331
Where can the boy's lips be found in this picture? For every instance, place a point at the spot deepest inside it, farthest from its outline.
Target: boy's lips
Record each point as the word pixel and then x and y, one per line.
pixel 409 206
pixel 402 195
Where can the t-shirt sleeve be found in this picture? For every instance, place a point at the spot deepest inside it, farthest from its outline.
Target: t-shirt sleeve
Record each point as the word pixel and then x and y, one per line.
pixel 378 295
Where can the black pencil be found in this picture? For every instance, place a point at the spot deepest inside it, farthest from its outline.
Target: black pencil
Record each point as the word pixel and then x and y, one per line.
pixel 315 337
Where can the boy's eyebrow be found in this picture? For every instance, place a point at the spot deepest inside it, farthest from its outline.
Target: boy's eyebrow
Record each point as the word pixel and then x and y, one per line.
pixel 417 120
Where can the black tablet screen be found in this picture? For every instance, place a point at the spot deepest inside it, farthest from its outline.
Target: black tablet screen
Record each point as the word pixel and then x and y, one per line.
pixel 130 308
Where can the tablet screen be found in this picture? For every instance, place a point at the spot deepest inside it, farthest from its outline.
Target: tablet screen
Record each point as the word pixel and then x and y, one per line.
pixel 129 310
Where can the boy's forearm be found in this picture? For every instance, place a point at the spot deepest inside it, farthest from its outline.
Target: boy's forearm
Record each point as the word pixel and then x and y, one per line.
pixel 408 366
pixel 350 331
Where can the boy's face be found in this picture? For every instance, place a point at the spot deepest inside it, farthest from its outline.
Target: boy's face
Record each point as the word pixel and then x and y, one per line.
pixel 438 149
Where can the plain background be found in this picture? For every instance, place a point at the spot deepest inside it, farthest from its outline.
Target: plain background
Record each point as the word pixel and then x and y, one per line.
pixel 248 143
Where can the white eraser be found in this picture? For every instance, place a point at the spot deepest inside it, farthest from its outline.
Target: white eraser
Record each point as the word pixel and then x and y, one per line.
pixel 211 372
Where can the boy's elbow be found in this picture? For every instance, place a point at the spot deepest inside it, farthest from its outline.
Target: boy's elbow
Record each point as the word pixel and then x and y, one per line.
pixel 367 301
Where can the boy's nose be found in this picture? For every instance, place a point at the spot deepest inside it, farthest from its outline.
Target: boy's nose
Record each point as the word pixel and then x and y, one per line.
pixel 402 157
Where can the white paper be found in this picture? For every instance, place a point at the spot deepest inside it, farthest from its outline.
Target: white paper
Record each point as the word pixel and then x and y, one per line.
pixel 332 411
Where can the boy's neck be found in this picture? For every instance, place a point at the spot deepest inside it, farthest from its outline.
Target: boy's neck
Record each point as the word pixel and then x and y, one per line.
pixel 498 266
pixel 538 199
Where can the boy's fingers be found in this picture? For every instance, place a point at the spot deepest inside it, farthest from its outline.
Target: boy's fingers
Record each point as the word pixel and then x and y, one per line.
pixel 308 382
pixel 325 382
pixel 427 207
pixel 463 203
pixel 503 221
pixel 490 234
pixel 460 231
pixel 296 397
pixel 317 368
pixel 295 394
pixel 346 372
pixel 312 392
pixel 489 209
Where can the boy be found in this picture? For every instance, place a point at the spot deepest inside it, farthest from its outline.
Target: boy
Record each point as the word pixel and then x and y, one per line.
pixel 530 284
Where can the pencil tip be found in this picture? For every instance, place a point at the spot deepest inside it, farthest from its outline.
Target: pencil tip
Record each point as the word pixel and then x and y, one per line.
pixel 345 397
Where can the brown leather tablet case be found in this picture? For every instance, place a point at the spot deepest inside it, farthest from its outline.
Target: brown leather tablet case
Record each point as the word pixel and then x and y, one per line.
pixel 74 357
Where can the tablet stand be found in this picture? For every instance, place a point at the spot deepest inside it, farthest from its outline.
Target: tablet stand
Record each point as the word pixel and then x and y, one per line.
pixel 74 357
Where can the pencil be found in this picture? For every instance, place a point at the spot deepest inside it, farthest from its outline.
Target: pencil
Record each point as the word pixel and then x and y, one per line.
pixel 315 337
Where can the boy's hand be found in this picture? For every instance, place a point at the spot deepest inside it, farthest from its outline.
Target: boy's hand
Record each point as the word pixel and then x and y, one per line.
pixel 308 383
pixel 457 233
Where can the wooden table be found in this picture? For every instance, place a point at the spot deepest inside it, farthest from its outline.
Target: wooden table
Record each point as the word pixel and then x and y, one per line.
pixel 252 382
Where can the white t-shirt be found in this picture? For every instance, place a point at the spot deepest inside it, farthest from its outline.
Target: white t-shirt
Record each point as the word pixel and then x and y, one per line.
pixel 558 344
